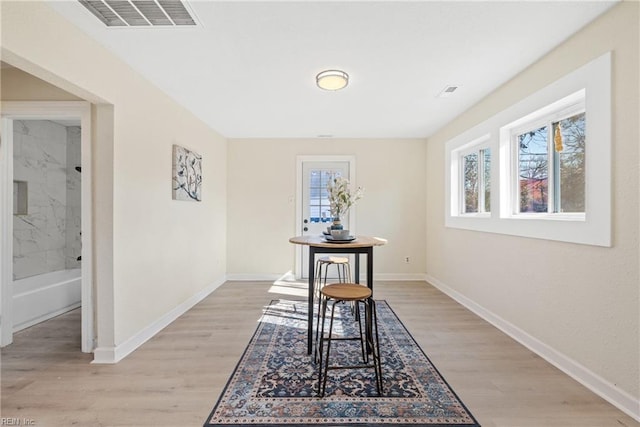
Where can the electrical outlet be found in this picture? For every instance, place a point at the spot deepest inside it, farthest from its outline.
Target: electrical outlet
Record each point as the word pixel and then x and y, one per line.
pixel 406 259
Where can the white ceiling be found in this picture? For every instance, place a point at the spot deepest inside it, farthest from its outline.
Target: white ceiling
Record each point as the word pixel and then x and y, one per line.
pixel 248 70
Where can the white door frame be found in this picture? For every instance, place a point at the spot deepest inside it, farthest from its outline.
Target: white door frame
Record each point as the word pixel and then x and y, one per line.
pixel 45 111
pixel 318 158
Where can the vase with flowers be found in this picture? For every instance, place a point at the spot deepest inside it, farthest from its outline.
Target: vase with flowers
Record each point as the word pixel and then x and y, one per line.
pixel 341 199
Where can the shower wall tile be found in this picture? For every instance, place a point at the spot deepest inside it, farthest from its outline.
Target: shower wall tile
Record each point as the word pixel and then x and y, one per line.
pixel 40 159
pixel 30 264
pixel 73 247
pixel 29 241
pixel 55 259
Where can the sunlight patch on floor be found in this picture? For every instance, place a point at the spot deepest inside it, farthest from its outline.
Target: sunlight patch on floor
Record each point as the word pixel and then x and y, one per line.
pixel 288 285
pixel 286 309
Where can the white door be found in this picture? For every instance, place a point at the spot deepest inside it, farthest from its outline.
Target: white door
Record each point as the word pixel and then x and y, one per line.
pixel 315 215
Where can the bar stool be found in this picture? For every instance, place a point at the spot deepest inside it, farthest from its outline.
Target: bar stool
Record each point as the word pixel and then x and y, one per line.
pixel 342 265
pixel 349 292
pixel 344 276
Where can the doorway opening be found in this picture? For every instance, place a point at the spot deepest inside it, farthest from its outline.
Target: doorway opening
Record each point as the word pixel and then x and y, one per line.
pixel 45 215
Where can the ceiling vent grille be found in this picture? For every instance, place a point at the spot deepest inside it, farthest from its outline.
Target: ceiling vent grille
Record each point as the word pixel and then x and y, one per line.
pixel 447 91
pixel 140 13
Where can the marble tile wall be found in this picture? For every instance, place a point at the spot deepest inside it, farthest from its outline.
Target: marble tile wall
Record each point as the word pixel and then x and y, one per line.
pixel 40 159
pixel 73 213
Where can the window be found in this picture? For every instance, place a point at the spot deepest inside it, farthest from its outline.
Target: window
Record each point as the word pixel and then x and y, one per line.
pixel 470 177
pixel 550 163
pixel 541 168
pixel 319 208
pixel 476 181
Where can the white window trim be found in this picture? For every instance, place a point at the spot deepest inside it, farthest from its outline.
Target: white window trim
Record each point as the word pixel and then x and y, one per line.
pixel 592 228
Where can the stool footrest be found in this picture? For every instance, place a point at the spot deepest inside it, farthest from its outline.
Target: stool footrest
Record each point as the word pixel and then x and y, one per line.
pixel 351 367
pixel 344 339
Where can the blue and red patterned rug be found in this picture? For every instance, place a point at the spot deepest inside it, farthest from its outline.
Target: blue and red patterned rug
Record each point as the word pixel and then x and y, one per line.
pixel 275 382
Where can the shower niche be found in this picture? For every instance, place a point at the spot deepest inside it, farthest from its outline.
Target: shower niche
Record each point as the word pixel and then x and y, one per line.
pixel 20 198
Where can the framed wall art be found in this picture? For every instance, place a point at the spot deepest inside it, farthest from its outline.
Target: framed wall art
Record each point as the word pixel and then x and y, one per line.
pixel 187 174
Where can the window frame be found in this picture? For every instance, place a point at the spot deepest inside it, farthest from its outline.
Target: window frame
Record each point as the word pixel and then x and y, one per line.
pixel 562 109
pixel 478 147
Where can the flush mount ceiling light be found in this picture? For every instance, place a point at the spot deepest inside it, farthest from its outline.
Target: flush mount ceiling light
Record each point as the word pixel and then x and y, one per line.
pixel 332 80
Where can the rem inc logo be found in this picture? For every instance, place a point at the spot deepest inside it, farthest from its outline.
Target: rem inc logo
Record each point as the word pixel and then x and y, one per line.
pixel 7 421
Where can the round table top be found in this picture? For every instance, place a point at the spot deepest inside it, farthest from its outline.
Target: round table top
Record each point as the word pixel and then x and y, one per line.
pixel 321 242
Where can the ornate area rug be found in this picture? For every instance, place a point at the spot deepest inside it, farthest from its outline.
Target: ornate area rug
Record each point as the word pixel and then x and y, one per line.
pixel 275 382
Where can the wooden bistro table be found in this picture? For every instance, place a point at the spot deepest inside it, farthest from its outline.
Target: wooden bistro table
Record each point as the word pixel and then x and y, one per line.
pixel 318 245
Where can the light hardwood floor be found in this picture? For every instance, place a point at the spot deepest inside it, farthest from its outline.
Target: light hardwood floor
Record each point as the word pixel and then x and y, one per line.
pixel 176 377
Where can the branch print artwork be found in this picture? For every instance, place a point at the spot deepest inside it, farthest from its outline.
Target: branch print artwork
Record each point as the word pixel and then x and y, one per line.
pixel 187 174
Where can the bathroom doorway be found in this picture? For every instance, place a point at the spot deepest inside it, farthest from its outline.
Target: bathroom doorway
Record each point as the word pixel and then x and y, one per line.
pixel 45 215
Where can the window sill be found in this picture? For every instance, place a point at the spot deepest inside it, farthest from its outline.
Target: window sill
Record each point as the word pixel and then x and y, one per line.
pixel 578 217
pixel 486 215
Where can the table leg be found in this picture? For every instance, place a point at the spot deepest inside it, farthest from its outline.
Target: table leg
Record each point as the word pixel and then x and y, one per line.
pixel 357 267
pixel 312 254
pixel 368 308
pixel 370 268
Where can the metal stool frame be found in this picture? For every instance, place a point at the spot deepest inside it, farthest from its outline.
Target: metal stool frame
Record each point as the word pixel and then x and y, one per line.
pixel 326 261
pixel 368 340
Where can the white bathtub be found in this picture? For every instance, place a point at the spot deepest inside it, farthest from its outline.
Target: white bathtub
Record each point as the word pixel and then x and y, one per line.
pixel 41 297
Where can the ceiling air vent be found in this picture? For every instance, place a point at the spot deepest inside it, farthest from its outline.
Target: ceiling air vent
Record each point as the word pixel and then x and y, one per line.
pixel 140 13
pixel 447 91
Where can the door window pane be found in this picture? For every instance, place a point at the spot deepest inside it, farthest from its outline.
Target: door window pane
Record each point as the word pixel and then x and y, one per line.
pixel 319 209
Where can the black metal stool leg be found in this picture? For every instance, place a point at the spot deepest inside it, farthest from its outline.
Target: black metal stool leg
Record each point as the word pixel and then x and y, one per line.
pixel 319 347
pixel 372 335
pixel 326 362
pixel 363 337
pixel 318 331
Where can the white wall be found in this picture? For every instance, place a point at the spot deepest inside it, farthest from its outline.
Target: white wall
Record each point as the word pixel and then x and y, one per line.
pixel 153 255
pixel 578 304
pixel 261 214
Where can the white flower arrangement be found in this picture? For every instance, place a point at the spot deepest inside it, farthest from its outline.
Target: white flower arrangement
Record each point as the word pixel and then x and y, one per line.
pixel 340 197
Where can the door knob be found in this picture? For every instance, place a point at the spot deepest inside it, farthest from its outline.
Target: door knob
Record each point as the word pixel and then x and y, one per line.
pixel 305 229
pixel 306 221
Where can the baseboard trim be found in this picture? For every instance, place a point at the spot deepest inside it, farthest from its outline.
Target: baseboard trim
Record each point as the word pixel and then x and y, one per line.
pixel 111 355
pixel 399 277
pixel 603 388
pixel 104 355
pixel 243 277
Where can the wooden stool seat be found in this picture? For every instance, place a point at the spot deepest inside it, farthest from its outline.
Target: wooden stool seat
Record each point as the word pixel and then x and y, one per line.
pixel 334 259
pixel 346 291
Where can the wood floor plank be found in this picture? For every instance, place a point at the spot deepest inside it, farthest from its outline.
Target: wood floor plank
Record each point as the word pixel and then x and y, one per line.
pixel 175 378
